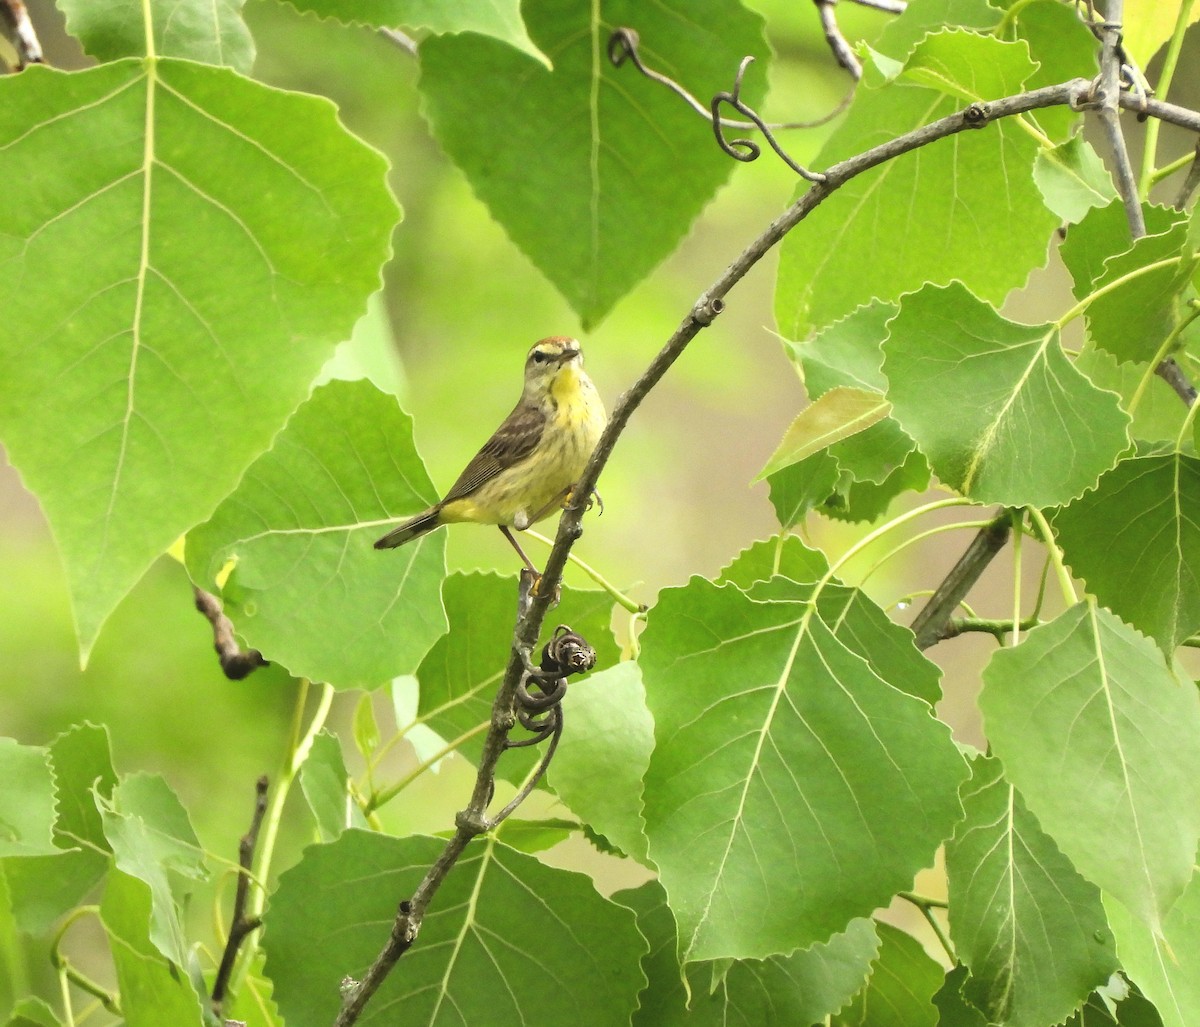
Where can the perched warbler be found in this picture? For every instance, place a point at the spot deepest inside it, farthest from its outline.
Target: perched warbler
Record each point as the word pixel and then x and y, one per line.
pixel 526 470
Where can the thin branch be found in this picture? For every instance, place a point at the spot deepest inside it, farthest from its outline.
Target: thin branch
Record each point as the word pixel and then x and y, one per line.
pixel 14 19
pixel 1108 98
pixel 236 662
pixel 1191 183
pixel 242 924
pixel 842 52
pixel 930 625
pixel 887 6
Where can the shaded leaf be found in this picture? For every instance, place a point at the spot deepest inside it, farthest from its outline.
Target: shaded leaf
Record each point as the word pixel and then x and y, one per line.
pixel 308 589
pixel 610 204
pixel 1135 540
pixel 325 784
pixel 801 988
pixel 1031 930
pixel 901 988
pixel 148 371
pixel 1035 430
pixel 500 927
pixel 781 757
pixel 1103 742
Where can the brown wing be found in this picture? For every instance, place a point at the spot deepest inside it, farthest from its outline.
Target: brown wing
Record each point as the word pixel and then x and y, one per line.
pixel 513 441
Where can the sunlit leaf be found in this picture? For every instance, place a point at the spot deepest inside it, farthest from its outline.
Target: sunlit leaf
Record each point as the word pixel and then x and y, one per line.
pixel 1073 179
pixel 308 589
pixel 780 757
pixel 169 298
pixel 26 800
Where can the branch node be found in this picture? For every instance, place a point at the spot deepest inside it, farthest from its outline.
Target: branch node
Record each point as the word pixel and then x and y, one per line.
pixel 236 663
pixel 976 115
pixel 707 310
pixel 471 821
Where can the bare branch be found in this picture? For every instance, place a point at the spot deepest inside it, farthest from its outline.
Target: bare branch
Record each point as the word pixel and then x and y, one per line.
pixel 1191 183
pixel 887 6
pixel 241 925
pixel 842 52
pixel 235 661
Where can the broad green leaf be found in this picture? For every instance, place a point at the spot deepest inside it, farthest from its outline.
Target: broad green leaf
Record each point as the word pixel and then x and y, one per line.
pixel 26 800
pixel 44 887
pixel 1136 289
pixel 780 758
pixel 211 31
pixel 608 735
pixel 1064 48
pixel 1031 930
pixel 308 589
pixel 1132 1011
pixel 153 841
pixel 867 242
pixel 1135 541
pixel 1148 24
pixel 868 500
pixel 900 992
pixel 863 628
pixel 1165 965
pixel 499 929
pixel 32 1012
pixel 500 19
pixel 1103 742
pixel 535 835
pixel 800 988
pixel 967 65
pixel 252 1003
pixel 848 352
pixel 1073 179
pixel 604 202
pixel 463 670
pixel 1033 431
pixel 153 991
pixel 144 371
pixel 324 781
pixel 783 555
pixel 837 415
pixel 921 17
pixel 1158 415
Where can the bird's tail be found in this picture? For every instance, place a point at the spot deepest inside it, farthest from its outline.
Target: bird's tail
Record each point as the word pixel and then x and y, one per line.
pixel 414 527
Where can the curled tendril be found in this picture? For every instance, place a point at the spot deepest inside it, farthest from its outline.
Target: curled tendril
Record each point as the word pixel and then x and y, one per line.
pixel 623 46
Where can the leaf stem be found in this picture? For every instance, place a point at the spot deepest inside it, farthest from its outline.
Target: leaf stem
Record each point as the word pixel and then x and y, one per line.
pixel 385 795
pixel 1016 612
pixel 1170 61
pixel 1047 537
pixel 927 906
pixel 623 600
pixel 1168 345
pixel 1108 287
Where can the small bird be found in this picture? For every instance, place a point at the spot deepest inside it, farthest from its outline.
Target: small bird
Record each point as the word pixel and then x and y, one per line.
pixel 527 469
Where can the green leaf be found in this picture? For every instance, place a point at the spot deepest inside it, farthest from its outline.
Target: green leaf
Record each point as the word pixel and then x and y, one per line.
pixel 780 758
pixel 1035 431
pixel 1165 965
pixel 1158 415
pixel 535 835
pixel 143 371
pixel 26 800
pixel 839 260
pixel 921 17
pixel 325 784
pixel 1064 48
pixel 801 988
pixel 463 670
pixel 366 728
pixel 1073 179
pixel 1103 742
pixel 1133 1011
pixel 607 739
pixel 44 887
pixel 784 555
pixel 607 203
pixel 1031 930
pixel 308 589
pixel 797 489
pixel 252 1003
pixel 210 31
pixel 1136 286
pixel 32 1012
pixel 901 989
pixel 1135 540
pixel 153 991
pixel 153 840
pixel 837 415
pixel 954 1010
pixel 1148 24
pixel 500 19
pixel 501 926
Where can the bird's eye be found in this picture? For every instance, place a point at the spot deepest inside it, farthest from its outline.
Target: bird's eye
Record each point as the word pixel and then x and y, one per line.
pixel 540 356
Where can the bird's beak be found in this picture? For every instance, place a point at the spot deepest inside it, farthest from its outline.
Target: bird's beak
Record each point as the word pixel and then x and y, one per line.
pixel 567 354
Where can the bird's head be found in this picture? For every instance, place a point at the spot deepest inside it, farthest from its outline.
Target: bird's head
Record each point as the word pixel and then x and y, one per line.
pixel 549 360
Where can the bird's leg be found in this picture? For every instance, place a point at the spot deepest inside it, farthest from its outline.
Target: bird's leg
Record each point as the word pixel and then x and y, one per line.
pixel 521 552
pixel 557 501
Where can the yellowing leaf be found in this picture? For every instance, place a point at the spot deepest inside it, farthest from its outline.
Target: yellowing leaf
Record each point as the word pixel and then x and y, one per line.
pixel 837 415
